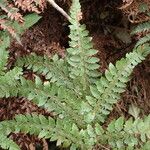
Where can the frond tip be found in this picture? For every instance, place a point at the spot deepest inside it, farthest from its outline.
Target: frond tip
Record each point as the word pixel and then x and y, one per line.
pixel 83 63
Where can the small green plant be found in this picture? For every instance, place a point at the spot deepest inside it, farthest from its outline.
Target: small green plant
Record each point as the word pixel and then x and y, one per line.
pixel 80 97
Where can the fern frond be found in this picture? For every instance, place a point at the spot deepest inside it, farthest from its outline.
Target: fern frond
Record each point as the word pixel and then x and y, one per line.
pixel 53 69
pixel 7 143
pixel 79 100
pixel 107 91
pixel 58 99
pixel 128 134
pixel 141 28
pixel 122 134
pixel 119 134
pixel 143 40
pixel 9 83
pixel 62 131
pixel 11 21
pixel 83 65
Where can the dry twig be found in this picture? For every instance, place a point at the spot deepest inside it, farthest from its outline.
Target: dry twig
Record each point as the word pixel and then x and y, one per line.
pixel 52 2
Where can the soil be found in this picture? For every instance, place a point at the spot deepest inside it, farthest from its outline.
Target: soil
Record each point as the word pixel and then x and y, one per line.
pixel 50 35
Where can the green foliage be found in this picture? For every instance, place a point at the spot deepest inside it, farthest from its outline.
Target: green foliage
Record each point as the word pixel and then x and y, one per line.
pixel 7 143
pixel 83 65
pixel 15 29
pixel 54 69
pixel 128 134
pixel 8 87
pixel 143 40
pixel 64 102
pixel 143 8
pixel 142 28
pixel 29 21
pixel 119 134
pixel 78 95
pixel 61 130
pixel 107 90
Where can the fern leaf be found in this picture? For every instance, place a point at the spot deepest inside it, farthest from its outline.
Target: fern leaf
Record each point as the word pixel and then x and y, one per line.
pixel 141 28
pixel 119 134
pixel 74 93
pixel 53 69
pixel 29 21
pixel 143 40
pixel 107 91
pixel 58 99
pixel 62 131
pixel 83 65
pixel 7 143
pixel 9 83
pixel 126 136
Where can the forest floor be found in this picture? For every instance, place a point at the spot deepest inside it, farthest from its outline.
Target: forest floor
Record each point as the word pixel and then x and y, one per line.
pixel 50 35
